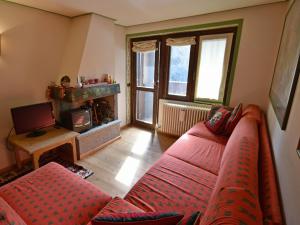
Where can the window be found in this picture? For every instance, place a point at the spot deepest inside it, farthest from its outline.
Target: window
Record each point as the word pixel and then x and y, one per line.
pixel 213 60
pixel 145 62
pixel 179 70
pixel 191 66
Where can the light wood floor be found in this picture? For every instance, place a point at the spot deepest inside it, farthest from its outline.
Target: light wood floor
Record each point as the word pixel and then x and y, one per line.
pixel 121 164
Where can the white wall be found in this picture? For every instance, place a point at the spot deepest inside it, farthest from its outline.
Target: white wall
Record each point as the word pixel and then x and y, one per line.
pixel 287 161
pixel 258 47
pixel 120 70
pixel 31 52
pixel 98 57
pixel 74 49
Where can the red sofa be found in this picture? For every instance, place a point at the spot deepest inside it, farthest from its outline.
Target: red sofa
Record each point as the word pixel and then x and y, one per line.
pixel 229 180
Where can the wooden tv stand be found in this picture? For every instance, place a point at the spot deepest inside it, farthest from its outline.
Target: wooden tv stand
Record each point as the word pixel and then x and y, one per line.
pixel 36 146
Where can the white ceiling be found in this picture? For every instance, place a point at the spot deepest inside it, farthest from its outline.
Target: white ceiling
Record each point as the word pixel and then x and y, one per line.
pixel 133 12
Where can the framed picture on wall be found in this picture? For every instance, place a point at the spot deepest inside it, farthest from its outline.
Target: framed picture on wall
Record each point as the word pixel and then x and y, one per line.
pixel 287 67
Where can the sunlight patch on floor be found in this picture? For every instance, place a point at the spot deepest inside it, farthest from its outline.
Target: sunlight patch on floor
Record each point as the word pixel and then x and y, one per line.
pixel 128 170
pixel 141 144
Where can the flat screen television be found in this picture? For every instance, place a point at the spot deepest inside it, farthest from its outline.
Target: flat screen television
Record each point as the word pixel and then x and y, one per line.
pixel 32 118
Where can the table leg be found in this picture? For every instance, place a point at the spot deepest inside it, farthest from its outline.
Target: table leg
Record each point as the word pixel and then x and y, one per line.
pixel 73 143
pixel 18 158
pixel 35 160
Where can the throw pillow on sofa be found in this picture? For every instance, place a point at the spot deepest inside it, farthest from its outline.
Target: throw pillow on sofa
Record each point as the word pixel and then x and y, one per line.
pixel 194 218
pixel 215 108
pixel 217 123
pixel 148 218
pixel 233 120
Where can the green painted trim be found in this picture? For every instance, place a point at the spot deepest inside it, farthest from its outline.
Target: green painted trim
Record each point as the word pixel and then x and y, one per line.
pixel 188 28
pixel 238 23
pixel 234 61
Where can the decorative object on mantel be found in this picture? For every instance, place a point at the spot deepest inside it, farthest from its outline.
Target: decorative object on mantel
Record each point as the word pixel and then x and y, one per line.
pixel 65 81
pixel 287 67
pixel 108 79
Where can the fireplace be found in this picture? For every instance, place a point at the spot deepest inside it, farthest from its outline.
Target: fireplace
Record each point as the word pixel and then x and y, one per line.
pixel 91 111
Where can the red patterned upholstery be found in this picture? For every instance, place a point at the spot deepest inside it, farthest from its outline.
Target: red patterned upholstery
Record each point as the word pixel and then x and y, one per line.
pixel 233 206
pixel 239 165
pixel 199 152
pixel 201 172
pixel 200 130
pixel 173 185
pixel 269 194
pixel 54 195
pixel 254 112
pixel 8 216
pixel 235 197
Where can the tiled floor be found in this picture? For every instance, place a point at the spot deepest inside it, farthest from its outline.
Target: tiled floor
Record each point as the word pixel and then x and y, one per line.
pixel 120 165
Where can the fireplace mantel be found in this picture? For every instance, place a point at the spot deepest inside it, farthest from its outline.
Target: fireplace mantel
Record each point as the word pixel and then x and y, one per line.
pixel 85 93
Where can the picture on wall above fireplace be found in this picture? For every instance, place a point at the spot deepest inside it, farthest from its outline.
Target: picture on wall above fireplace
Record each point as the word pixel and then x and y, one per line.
pixel 287 67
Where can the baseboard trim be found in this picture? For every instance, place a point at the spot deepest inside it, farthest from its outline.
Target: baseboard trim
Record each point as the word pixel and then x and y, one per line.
pixel 125 126
pixel 14 166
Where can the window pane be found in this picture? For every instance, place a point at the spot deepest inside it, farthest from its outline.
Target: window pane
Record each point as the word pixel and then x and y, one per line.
pixel 179 70
pixel 145 64
pixel 211 69
pixel 144 106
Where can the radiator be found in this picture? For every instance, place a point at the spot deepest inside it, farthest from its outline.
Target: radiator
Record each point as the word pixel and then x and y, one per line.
pixel 176 119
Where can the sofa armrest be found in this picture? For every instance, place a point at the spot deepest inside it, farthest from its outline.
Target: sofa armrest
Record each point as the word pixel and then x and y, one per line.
pixel 8 215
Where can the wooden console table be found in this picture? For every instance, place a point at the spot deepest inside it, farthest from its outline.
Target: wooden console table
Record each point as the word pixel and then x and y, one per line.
pixel 36 146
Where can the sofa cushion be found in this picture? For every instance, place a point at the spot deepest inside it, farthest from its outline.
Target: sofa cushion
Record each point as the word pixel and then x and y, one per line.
pixel 175 186
pixel 238 172
pixel 199 152
pixel 254 112
pixel 54 195
pixel 8 215
pixel 234 206
pixel 269 192
pixel 144 218
pixel 233 120
pixel 239 165
pixel 200 130
pixel 194 219
pixel 217 123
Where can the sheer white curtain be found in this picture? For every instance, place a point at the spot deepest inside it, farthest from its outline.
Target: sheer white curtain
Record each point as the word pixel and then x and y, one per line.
pixel 214 53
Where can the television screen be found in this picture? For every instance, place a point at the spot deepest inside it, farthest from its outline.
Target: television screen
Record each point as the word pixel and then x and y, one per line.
pixel 32 117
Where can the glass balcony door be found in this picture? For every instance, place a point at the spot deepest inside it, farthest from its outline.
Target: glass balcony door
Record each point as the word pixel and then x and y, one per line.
pixel 144 89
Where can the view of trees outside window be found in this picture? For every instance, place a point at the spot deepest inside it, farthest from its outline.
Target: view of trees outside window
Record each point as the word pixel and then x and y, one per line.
pixel 179 69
